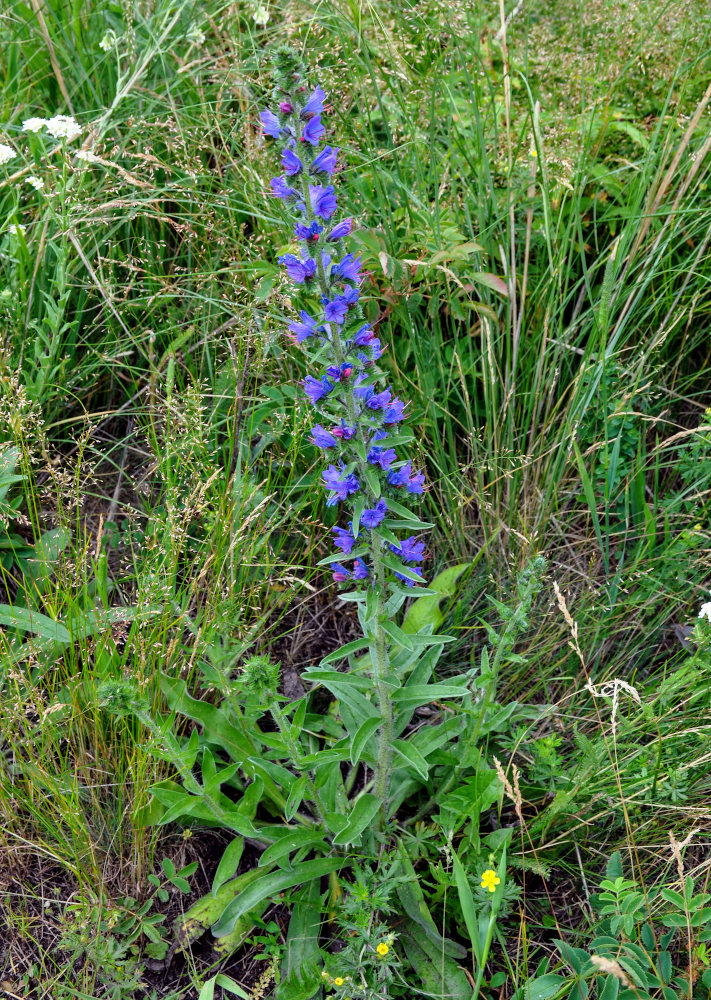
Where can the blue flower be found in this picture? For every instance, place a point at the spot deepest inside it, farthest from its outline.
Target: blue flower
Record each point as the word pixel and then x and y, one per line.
pixel 372 518
pixel 344 540
pixel 280 189
pixel 341 483
pixel 322 438
pixel 325 162
pixel 317 389
pixel 401 476
pixel 323 200
pixel 340 230
pixel 394 413
pixel 270 123
pixel 291 162
pixel 376 350
pixel 378 400
pixel 363 336
pixel 297 269
pixel 314 105
pixel 360 570
pixel 384 457
pixel 348 269
pixel 307 328
pixel 311 232
pixel 351 295
pixel 313 131
pixel 416 484
pixel 406 580
pixel 335 309
pixel 409 550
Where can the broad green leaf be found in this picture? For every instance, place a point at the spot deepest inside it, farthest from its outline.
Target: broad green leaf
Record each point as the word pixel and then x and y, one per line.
pixel 362 738
pixel 229 863
pixel 426 610
pixel 361 816
pixel 412 757
pixel 412 696
pixel 224 982
pixel 27 620
pixel 296 794
pixel 292 841
pixel 269 886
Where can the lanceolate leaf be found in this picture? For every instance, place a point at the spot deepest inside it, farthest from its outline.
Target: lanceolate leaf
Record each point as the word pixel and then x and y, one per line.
pixel 27 620
pixel 361 816
pixel 269 886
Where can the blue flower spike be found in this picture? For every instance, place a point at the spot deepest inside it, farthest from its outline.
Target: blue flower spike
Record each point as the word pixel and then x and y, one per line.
pixel 357 414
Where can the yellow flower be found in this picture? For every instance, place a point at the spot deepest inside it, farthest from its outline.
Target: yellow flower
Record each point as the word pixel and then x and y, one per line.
pixel 339 981
pixel 382 949
pixel 490 880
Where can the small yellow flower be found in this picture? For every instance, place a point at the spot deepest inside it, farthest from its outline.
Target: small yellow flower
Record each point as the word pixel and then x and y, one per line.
pixel 382 949
pixel 490 880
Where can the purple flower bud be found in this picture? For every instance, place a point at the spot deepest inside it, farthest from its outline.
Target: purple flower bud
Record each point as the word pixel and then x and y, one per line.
pixel 285 107
pixel 291 162
pixel 297 269
pixel 313 131
pixel 325 162
pixel 280 189
pixel 314 105
pixel 340 573
pixel 323 200
pixel 322 438
pixel 372 518
pixel 340 230
pixel 344 431
pixel 270 123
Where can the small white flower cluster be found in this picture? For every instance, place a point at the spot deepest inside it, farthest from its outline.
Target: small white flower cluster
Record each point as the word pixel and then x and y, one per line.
pixel 36 182
pixel 705 611
pixel 261 16
pixel 108 41
pixel 7 153
pixel 86 156
pixel 59 127
pixel 15 229
pixel 195 35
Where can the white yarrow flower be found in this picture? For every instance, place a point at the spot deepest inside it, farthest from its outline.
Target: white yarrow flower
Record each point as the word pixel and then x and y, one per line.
pixel 6 153
pixel 33 124
pixel 64 127
pixel 36 182
pixel 108 41
pixel 86 155
pixel 261 16
pixel 14 229
pixel 705 611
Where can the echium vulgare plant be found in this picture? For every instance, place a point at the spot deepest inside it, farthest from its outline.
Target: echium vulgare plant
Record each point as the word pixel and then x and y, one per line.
pixel 357 422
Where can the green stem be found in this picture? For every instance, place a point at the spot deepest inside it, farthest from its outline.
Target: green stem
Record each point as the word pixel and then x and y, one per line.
pixel 296 756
